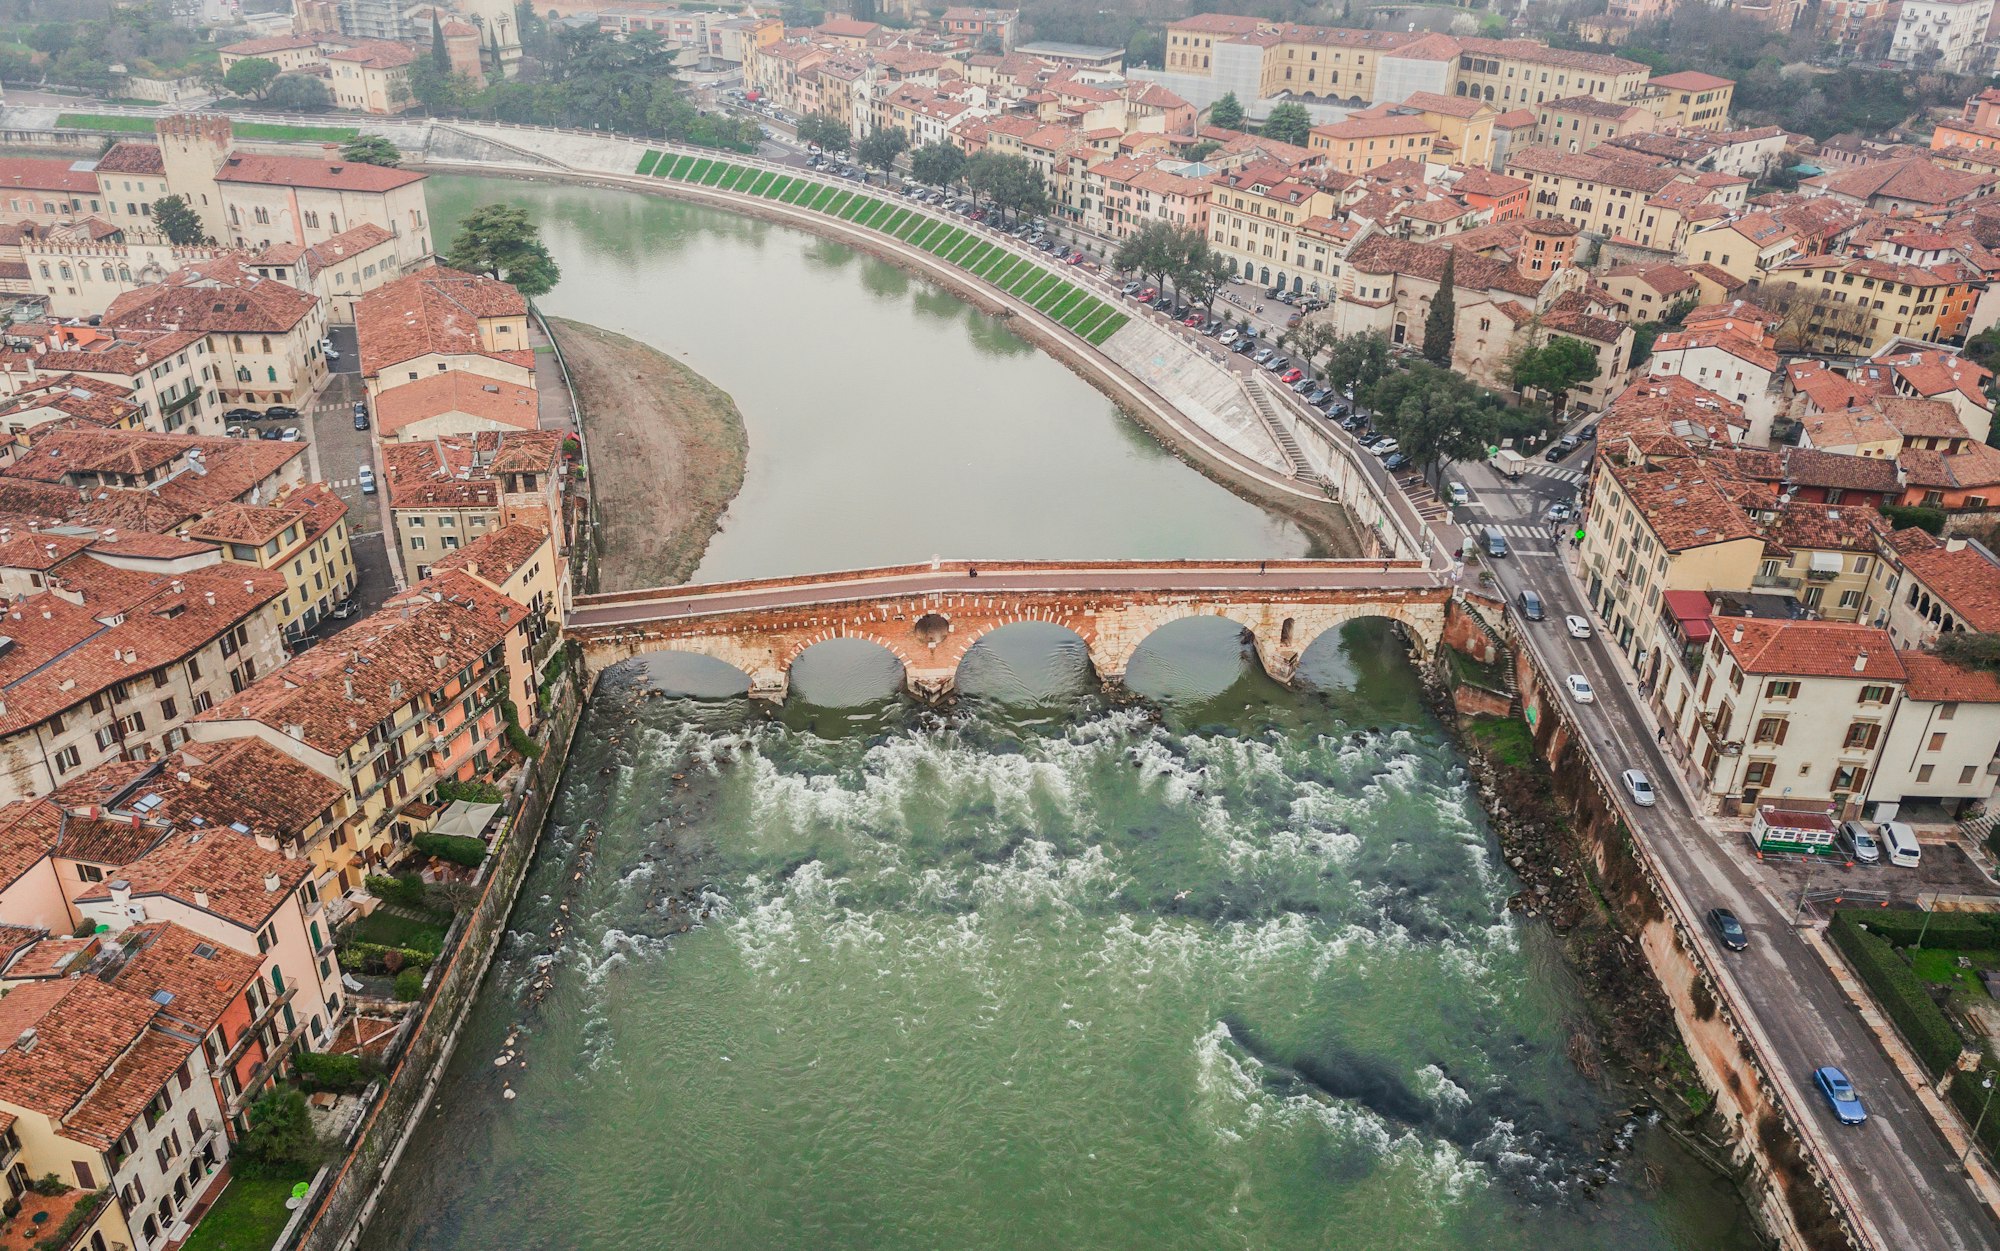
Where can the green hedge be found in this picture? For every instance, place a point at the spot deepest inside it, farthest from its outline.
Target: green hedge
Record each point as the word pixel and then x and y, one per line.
pixel 407 890
pixel 1902 516
pixel 1966 931
pixel 331 1072
pixel 1967 1093
pixel 456 848
pixel 1901 993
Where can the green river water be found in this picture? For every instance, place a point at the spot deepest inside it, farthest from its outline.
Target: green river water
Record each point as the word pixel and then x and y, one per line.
pixel 1228 967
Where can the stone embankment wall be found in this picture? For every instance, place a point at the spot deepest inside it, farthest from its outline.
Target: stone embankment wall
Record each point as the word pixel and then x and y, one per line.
pixel 347 1203
pixel 1640 966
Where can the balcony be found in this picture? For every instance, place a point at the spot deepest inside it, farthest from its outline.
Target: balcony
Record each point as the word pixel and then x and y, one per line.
pixel 1778 580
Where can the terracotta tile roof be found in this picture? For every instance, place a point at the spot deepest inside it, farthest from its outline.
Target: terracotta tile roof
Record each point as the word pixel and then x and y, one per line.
pixel 272 43
pixel 1937 680
pixel 1920 418
pixel 1976 466
pixel 81 1026
pixel 1450 106
pixel 230 871
pixel 43 957
pixel 35 173
pixel 1935 372
pixel 1963 577
pixel 1380 254
pixel 376 54
pixel 504 404
pixel 1691 80
pixel 1685 504
pixel 1515 119
pixel 1622 171
pixel 224 295
pixel 1803 526
pixel 128 156
pixel 1669 416
pixel 1824 649
pixel 98 625
pixel 1744 349
pixel 1915 179
pixel 1570 314
pixel 28 831
pixel 1538 53
pixel 192 979
pixel 333 696
pixel 100 461
pixel 134 1081
pixel 313 171
pixel 496 555
pixel 435 310
pixel 242 783
pixel 315 505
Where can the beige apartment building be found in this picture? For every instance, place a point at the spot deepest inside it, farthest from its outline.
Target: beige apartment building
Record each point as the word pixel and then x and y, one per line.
pixel 1650 530
pixel 1256 219
pixel 1798 709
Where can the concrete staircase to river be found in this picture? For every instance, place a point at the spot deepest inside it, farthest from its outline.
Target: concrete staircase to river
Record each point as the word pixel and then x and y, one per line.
pixel 1265 405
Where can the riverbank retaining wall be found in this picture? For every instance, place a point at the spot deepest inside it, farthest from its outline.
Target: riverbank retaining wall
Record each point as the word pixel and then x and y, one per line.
pixel 1792 1196
pixel 356 1188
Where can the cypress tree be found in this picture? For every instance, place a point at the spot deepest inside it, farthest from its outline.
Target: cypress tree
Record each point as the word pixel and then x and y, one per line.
pixel 1442 322
pixel 440 59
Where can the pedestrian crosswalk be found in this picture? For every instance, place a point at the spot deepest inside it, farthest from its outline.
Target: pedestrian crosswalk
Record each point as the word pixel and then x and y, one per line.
pixel 1523 531
pixel 1546 470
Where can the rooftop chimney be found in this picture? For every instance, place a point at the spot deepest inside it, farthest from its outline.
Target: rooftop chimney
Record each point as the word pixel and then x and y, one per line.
pixel 1736 636
pixel 200 897
pixel 271 882
pixel 1861 661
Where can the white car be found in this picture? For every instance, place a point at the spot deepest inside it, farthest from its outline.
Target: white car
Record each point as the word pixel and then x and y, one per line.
pixel 1459 495
pixel 1559 512
pixel 1640 788
pixel 290 435
pixel 1579 689
pixel 1578 628
pixel 366 478
pixel 1384 447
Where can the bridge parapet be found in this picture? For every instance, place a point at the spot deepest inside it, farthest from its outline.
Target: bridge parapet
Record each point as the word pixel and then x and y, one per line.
pixel 930 616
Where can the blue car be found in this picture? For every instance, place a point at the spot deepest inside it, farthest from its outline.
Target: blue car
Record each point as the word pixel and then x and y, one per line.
pixel 1840 1094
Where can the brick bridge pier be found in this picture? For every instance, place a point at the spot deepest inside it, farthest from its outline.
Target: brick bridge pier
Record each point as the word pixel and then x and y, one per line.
pixel 928 616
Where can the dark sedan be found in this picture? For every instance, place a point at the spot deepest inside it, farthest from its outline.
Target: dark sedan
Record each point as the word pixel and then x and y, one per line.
pixel 1728 930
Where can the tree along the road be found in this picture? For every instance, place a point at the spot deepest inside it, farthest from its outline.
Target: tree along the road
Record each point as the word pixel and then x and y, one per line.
pixel 1441 323
pixel 371 150
pixel 177 220
pixel 1308 340
pixel 881 148
pixel 251 77
pixel 499 241
pixel 939 164
pixel 827 132
pixel 1355 361
pixel 440 91
pixel 1434 415
pixel 1226 113
pixel 1202 270
pixel 1553 368
pixel 1289 123
pixel 299 93
pixel 1148 252
pixel 1009 180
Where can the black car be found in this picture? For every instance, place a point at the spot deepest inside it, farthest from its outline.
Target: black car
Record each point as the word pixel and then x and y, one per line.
pixel 1562 447
pixel 1395 461
pixel 360 419
pixel 1728 929
pixel 242 414
pixel 282 412
pixel 273 433
pixel 1243 346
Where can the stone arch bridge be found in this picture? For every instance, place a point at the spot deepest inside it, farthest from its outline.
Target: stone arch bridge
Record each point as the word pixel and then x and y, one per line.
pixel 928 616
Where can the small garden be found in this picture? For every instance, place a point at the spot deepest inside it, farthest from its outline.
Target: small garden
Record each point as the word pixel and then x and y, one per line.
pixel 398 942
pixel 248 1217
pixel 1923 968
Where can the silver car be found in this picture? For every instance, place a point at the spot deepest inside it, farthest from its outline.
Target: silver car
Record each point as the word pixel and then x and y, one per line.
pixel 1859 842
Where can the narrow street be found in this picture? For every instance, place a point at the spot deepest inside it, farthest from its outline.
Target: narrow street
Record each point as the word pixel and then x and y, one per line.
pixel 1905 1180
pixel 337 452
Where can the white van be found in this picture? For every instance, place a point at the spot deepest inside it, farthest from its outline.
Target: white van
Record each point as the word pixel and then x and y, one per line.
pixel 1900 841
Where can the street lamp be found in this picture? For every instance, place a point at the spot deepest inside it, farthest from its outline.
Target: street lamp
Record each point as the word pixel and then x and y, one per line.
pixel 1986 1083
